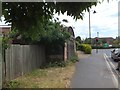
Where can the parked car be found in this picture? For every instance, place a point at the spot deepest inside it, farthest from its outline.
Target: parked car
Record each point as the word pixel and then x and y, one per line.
pixel 115 55
pixel 110 45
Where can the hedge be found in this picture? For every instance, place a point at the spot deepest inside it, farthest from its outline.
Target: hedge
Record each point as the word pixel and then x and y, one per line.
pixel 85 48
pixel 102 47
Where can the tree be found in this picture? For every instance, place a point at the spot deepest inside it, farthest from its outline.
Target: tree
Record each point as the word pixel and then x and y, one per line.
pixel 104 41
pixel 51 33
pixel 25 15
pixel 87 41
pixel 116 41
pixel 78 39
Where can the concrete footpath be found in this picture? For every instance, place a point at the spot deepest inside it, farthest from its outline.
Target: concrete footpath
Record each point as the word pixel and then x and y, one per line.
pixel 92 71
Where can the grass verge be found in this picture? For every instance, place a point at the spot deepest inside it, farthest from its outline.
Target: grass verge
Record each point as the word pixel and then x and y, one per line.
pixel 52 77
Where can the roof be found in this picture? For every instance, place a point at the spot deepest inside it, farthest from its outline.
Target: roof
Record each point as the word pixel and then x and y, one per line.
pixel 71 31
pixel 105 37
pixel 5 26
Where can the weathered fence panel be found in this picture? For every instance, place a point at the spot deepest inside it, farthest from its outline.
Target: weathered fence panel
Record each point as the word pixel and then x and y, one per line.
pixel 21 59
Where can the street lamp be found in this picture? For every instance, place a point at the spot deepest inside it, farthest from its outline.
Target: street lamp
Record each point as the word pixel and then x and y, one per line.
pixel 90 25
pixel 97 42
pixel 97 34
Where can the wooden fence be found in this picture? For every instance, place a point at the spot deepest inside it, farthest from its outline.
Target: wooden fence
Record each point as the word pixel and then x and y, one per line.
pixel 21 59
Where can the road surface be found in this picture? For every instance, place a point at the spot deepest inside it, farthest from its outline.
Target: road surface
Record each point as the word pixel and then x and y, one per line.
pixel 95 71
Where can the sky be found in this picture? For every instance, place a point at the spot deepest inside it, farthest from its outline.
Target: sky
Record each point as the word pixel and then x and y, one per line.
pixel 105 21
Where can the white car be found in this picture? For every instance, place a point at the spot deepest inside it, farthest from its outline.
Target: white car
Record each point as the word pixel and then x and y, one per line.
pixel 110 45
pixel 115 55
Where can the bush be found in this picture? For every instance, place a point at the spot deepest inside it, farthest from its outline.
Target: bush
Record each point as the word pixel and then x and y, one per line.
pixel 85 48
pixel 12 84
pixel 102 47
pixel 88 49
pixel 56 64
pixel 81 47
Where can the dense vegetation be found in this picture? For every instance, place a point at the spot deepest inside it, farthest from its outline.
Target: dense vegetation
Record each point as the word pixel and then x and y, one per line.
pixel 24 15
pixel 86 48
pixel 32 21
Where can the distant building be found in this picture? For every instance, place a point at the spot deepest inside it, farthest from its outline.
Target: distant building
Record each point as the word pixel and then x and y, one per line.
pixel 5 29
pixel 108 40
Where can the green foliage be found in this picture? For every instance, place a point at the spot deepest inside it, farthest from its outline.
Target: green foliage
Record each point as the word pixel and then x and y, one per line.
pixel 13 84
pixel 31 12
pixel 116 41
pixel 46 33
pixel 88 49
pixel 81 47
pixel 87 41
pixel 32 19
pixel 85 48
pixel 78 39
pixel 102 47
pixel 56 64
pixel 74 58
pixel 5 42
pixel 60 63
pixel 56 33
pixel 78 42
pixel 14 33
pixel 39 73
pixel 104 41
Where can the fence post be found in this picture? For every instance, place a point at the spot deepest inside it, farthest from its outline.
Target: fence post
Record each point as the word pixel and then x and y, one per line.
pixel 65 52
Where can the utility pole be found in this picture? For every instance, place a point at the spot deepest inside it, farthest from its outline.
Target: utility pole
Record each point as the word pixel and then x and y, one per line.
pixel 89 28
pixel 97 42
pixel 90 25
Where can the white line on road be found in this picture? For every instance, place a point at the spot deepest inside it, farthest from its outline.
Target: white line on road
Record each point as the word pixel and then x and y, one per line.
pixel 114 78
pixel 113 66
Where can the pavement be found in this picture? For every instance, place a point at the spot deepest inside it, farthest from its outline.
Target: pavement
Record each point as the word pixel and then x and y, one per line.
pixel 92 71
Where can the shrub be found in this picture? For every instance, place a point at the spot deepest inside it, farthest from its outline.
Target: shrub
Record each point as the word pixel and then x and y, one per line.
pixel 56 64
pixel 85 48
pixel 81 47
pixel 74 58
pixel 102 47
pixel 13 84
pixel 88 49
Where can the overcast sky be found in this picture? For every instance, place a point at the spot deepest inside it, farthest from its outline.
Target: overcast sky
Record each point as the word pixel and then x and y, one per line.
pixel 105 21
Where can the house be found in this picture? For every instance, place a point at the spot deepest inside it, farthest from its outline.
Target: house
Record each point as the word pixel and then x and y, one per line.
pixel 102 40
pixel 108 40
pixel 4 30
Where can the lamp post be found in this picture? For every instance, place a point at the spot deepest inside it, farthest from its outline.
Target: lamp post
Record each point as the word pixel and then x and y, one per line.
pixel 97 42
pixel 90 24
pixel 89 28
pixel 97 34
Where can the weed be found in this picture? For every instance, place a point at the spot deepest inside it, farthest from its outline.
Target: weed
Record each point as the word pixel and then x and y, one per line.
pixel 35 73
pixel 56 64
pixel 74 58
pixel 13 84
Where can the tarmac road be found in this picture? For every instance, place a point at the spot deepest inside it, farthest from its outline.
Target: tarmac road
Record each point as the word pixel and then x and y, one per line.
pixel 95 72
